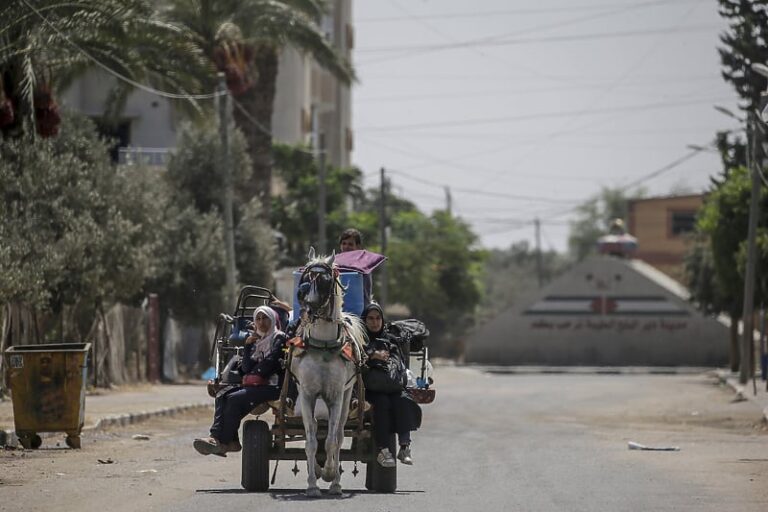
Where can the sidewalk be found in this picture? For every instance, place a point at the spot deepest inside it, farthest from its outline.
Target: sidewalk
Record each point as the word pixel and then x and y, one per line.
pixel 746 392
pixel 123 406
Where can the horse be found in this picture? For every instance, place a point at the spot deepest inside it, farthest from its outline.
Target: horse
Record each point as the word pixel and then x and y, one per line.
pixel 320 370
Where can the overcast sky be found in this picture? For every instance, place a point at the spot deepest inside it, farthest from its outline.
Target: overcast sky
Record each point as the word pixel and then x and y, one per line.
pixel 526 108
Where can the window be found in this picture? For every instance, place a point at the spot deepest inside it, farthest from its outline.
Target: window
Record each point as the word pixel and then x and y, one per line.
pixel 682 222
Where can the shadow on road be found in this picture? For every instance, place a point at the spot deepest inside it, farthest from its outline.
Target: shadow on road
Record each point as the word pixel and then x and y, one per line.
pixel 298 495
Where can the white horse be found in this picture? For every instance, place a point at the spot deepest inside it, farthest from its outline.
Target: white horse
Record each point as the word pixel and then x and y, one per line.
pixel 320 369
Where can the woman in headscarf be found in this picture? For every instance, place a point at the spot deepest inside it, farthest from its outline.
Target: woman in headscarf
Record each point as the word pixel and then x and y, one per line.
pixel 261 367
pixel 396 412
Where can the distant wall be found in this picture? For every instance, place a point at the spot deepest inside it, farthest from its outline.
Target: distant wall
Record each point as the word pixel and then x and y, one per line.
pixel 604 311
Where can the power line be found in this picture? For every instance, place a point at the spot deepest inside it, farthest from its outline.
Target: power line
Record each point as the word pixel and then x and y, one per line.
pixel 503 92
pixel 546 39
pixel 116 74
pixel 543 115
pixel 471 168
pixel 482 192
pixel 663 169
pixel 501 12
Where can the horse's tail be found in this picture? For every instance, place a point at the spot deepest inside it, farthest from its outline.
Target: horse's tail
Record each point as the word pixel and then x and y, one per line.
pixel 356 329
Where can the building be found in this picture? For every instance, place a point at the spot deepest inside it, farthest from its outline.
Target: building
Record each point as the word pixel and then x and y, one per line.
pixel 147 129
pixel 605 311
pixel 662 226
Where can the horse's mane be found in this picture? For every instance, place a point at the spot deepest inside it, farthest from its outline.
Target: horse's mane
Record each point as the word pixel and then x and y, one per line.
pixel 354 325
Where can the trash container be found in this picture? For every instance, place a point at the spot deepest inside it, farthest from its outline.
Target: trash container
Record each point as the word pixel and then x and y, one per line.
pixel 47 385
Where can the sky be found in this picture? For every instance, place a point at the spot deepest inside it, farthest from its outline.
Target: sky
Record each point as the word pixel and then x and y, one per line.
pixel 525 109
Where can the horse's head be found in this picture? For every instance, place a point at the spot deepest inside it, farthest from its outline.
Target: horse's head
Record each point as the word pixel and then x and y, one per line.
pixel 317 285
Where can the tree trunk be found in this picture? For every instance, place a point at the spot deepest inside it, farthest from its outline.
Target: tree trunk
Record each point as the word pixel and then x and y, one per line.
pixel 258 102
pixel 734 352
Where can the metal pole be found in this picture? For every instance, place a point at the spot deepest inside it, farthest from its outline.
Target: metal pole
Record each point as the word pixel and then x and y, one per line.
pixel 229 236
pixel 322 194
pixel 383 234
pixel 537 223
pixel 448 200
pixel 747 363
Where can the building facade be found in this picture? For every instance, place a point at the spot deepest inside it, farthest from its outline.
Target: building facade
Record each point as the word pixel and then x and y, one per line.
pixel 663 227
pixel 308 101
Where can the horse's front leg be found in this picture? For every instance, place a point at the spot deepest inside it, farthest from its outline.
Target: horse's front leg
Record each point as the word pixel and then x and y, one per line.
pixel 310 445
pixel 336 420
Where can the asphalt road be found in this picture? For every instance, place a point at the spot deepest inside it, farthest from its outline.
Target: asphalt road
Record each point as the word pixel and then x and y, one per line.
pixel 496 442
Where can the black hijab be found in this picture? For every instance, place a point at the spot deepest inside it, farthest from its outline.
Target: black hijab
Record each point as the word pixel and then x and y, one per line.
pixel 373 307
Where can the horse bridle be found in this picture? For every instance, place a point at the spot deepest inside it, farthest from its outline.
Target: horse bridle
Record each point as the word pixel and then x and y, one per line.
pixel 309 278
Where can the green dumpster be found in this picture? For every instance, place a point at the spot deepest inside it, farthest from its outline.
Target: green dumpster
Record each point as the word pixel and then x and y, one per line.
pixel 47 385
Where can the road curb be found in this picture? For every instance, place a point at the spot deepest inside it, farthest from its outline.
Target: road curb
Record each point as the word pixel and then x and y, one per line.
pixel 8 437
pixel 740 394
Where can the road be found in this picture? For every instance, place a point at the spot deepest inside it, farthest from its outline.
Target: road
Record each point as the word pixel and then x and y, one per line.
pixel 500 442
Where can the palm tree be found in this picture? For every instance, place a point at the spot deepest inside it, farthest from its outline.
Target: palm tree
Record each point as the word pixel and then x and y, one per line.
pixel 243 38
pixel 45 44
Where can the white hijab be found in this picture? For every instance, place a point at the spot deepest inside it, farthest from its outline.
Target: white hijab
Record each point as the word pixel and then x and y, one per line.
pixel 264 345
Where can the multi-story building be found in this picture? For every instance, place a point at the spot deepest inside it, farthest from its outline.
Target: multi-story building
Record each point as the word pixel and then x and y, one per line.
pixel 662 226
pixel 309 100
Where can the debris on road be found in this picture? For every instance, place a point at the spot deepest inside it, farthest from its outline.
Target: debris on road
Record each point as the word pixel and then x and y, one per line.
pixel 637 446
pixel 140 437
pixel 144 471
pixel 105 461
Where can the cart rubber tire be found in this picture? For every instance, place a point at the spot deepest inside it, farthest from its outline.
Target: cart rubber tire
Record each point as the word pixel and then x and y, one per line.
pixel 73 442
pixel 257 440
pixel 381 479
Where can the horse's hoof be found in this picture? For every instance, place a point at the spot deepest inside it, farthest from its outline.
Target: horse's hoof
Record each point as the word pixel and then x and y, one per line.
pixel 314 492
pixel 335 490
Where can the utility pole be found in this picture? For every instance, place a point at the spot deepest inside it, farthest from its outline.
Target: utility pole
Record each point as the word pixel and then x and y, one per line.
pixel 383 234
pixel 537 224
pixel 448 201
pixel 322 195
pixel 224 161
pixel 747 341
pixel 318 143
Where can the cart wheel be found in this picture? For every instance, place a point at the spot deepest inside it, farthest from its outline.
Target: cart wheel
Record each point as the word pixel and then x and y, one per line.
pixel 257 440
pixel 73 442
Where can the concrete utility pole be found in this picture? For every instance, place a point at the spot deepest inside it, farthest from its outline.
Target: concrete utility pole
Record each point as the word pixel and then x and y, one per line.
pixel 322 195
pixel 448 201
pixel 318 143
pixel 225 162
pixel 539 271
pixel 383 234
pixel 747 341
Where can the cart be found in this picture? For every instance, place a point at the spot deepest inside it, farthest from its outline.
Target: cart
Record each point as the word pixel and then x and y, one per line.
pixel 282 438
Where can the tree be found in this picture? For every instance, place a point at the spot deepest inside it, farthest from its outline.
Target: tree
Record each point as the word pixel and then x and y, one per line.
pixel 745 43
pixel 508 273
pixel 593 218
pixel 242 38
pixel 723 221
pixel 44 44
pixel 294 213
pixel 77 234
pixel 191 272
